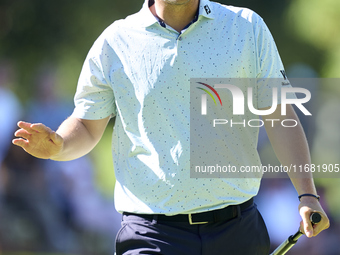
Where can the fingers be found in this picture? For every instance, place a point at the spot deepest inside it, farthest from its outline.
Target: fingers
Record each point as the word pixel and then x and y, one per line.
pixel 22 133
pixel 20 142
pixel 27 130
pixel 306 229
pixel 40 128
pixel 25 125
pixel 311 230
pixel 307 226
pixel 322 225
pixel 29 127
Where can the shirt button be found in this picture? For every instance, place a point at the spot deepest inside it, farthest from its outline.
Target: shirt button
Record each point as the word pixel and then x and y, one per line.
pixel 180 38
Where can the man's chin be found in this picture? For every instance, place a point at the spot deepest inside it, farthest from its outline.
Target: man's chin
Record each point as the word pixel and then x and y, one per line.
pixel 176 2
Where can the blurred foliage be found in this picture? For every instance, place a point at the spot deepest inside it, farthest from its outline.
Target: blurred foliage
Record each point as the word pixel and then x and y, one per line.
pixel 61 32
pixel 102 157
pixel 317 23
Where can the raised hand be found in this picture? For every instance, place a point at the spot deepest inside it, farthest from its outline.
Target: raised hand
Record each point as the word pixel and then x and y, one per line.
pixel 38 140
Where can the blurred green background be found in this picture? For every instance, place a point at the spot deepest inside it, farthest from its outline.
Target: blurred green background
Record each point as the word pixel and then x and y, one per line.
pixel 40 36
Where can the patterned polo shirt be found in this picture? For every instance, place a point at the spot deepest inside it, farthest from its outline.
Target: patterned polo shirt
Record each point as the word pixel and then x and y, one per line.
pixel 139 71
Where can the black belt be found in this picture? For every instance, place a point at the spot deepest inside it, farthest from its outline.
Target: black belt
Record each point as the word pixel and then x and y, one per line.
pixel 224 214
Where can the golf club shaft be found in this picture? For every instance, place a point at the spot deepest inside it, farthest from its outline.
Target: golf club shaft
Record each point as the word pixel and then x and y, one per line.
pixel 288 244
pixel 291 241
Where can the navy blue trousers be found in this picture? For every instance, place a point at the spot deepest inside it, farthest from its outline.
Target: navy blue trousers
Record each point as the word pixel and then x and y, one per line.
pixel 246 234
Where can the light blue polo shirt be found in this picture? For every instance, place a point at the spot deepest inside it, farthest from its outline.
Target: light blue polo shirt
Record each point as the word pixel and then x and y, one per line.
pixel 139 72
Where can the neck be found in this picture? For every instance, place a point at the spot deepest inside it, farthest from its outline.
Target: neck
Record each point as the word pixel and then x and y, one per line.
pixel 175 13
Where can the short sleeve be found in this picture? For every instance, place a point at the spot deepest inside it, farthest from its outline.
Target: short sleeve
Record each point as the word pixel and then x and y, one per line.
pixel 270 70
pixel 94 98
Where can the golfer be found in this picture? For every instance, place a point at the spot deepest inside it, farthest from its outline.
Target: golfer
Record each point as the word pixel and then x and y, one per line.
pixel 138 73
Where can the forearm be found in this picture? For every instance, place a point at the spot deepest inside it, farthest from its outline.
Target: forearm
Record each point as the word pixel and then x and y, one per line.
pixel 291 148
pixel 79 137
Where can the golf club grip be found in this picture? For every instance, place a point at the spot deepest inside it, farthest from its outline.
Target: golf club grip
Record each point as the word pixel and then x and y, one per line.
pixel 315 218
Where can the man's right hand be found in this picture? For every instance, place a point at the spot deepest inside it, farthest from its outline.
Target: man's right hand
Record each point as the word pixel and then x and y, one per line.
pixel 38 140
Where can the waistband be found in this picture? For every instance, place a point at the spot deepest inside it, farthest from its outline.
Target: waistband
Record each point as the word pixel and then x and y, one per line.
pixel 218 215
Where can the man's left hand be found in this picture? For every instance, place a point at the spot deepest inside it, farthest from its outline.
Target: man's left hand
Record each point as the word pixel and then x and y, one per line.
pixel 307 206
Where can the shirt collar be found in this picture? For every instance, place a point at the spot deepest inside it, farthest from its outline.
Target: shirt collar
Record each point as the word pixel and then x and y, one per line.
pixel 205 9
pixel 147 19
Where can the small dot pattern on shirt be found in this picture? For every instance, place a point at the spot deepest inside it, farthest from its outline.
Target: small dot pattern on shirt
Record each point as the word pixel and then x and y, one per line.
pixel 140 72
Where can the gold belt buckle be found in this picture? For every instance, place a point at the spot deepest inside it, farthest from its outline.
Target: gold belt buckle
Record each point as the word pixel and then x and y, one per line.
pixel 195 223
